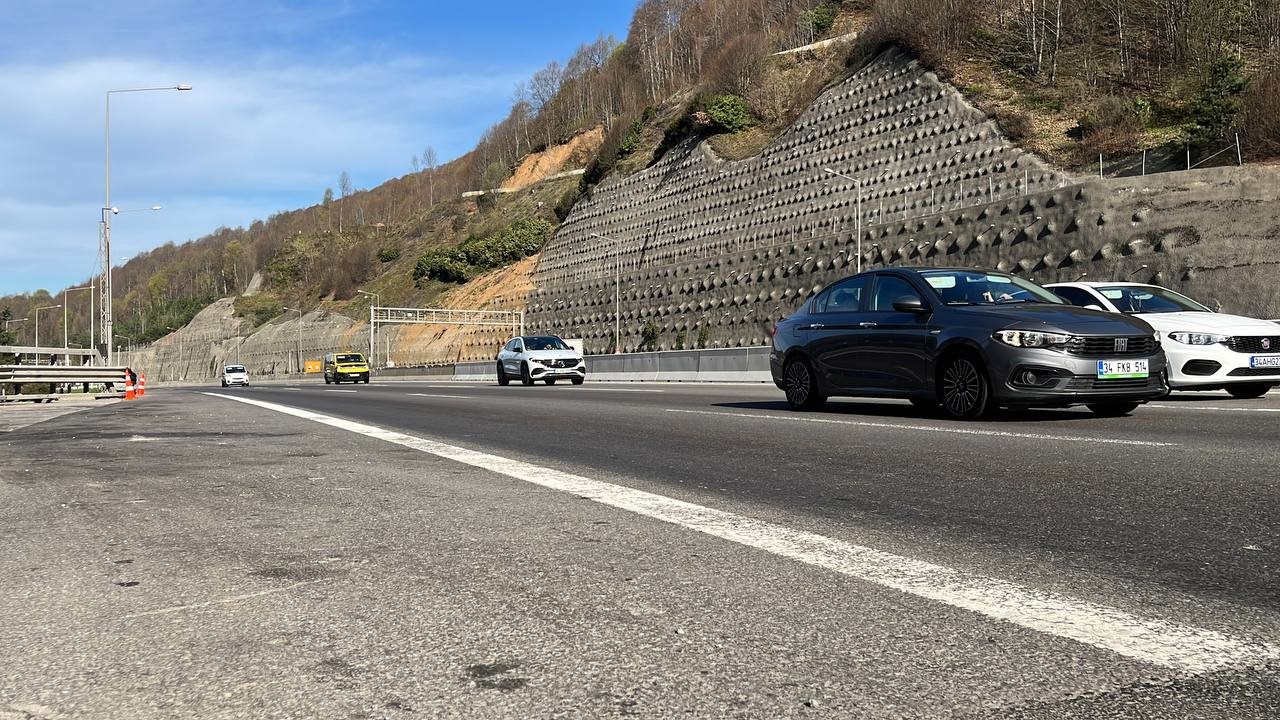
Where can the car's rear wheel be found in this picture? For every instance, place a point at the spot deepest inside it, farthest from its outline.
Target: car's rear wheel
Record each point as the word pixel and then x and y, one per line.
pixel 503 380
pixel 525 379
pixel 1246 391
pixel 801 385
pixel 578 381
pixel 1113 409
pixel 965 390
pixel 326 379
pixel 550 381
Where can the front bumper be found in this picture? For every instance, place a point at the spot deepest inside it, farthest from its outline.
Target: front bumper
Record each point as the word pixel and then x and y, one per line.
pixel 1204 367
pixel 235 381
pixel 542 372
pixel 1067 379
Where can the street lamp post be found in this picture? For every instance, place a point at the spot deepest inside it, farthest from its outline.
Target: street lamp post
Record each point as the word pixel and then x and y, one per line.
pixel 617 291
pixel 66 358
pixel 299 349
pixel 37 314
pixel 108 324
pixel 373 346
pixel 857 184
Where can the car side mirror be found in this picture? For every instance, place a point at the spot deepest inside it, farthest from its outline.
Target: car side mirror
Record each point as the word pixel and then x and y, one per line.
pixel 910 305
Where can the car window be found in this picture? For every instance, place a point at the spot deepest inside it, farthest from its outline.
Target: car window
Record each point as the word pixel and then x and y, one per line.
pixel 235 368
pixel 545 343
pixel 350 359
pixel 1076 296
pixel 889 290
pixel 844 296
pixel 1149 299
pixel 975 287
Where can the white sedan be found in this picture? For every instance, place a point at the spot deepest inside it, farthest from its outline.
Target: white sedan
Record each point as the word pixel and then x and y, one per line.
pixel 1206 350
pixel 235 375
pixel 540 357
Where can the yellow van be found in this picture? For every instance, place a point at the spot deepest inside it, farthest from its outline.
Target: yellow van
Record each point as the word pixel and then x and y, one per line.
pixel 345 365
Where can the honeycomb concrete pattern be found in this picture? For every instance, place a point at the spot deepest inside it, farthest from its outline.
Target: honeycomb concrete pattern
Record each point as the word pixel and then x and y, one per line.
pixel 735 245
pixel 701 242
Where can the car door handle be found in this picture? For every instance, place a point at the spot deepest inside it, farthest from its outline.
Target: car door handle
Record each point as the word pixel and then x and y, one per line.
pixel 866 324
pixel 816 326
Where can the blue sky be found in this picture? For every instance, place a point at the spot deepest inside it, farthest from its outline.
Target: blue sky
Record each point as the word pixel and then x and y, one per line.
pixel 286 96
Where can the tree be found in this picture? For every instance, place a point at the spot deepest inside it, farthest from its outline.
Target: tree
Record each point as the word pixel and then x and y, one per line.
pixel 1215 108
pixel 429 164
pixel 344 187
pixel 327 204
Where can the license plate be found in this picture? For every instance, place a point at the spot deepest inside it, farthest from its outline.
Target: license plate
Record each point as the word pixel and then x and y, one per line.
pixel 1122 369
pixel 1265 361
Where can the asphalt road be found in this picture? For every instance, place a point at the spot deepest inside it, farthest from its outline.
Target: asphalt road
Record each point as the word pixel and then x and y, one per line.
pixel 326 566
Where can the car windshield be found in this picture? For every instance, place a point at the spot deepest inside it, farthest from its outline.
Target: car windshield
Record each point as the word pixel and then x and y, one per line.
pixel 235 368
pixel 1132 299
pixel 973 287
pixel 353 358
pixel 544 343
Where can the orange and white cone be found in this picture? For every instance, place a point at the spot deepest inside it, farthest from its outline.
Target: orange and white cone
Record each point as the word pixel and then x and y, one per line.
pixel 128 387
pixel 142 384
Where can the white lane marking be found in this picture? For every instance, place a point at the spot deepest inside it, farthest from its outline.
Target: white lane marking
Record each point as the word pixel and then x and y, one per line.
pixel 433 395
pixel 931 428
pixel 348 391
pixel 1160 642
pixel 601 389
pixel 223 601
pixel 1214 407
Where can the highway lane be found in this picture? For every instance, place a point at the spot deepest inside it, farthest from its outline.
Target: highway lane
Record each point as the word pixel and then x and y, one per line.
pixel 1175 497
pixel 192 556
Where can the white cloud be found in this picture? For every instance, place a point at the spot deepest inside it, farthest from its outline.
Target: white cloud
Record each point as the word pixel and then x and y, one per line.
pixel 265 135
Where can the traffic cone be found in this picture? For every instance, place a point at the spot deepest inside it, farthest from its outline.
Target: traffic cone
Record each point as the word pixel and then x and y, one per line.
pixel 142 384
pixel 128 387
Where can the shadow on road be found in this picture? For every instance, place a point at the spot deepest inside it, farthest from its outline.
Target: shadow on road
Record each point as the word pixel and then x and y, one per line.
pixel 904 411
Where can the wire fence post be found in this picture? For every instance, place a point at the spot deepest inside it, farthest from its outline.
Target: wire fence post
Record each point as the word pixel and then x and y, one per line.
pixel 1239 155
pixel 1188 157
pixel 1144 162
pixel 1100 166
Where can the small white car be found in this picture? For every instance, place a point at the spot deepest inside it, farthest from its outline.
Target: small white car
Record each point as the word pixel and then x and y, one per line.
pixel 531 358
pixel 235 375
pixel 1206 350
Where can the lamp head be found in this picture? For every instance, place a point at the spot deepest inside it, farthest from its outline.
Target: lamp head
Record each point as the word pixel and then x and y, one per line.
pixel 181 87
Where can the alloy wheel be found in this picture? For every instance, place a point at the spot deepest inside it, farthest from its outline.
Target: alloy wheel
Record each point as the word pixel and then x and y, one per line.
pixel 961 387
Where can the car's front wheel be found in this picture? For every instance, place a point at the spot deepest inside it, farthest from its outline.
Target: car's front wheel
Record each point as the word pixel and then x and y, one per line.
pixel 503 380
pixel 550 381
pixel 965 391
pixel 801 386
pixel 1246 391
pixel 1113 409
pixel 578 381
pixel 525 378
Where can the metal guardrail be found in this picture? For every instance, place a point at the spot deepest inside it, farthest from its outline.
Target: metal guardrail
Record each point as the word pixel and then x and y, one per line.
pixel 15 376
pixel 741 364
pixel 501 318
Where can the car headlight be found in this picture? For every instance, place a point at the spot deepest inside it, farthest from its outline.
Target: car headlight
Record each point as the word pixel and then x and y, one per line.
pixel 1031 338
pixel 1195 338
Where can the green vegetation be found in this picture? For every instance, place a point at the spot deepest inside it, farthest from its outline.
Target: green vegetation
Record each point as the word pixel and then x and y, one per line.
pixel 648 337
pixel 1216 105
pixel 258 308
pixel 388 254
pixel 478 254
pixel 729 113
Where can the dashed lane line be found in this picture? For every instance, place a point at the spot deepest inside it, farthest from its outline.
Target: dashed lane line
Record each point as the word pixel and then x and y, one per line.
pixel 1214 408
pixel 345 391
pixel 1168 644
pixel 435 395
pixel 930 428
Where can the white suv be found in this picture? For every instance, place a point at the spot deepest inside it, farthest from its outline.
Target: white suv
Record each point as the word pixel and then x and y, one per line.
pixel 540 357
pixel 1206 350
pixel 235 375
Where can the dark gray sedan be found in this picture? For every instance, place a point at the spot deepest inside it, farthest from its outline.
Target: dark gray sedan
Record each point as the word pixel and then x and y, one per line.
pixel 968 340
